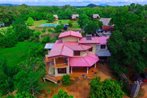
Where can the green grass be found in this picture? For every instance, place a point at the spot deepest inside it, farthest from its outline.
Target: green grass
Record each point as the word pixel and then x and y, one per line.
pixel 1 28
pixel 75 25
pixel 66 21
pixel 38 23
pixel 18 53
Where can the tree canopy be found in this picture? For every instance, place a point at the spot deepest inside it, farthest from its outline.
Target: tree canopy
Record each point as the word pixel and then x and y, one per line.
pixel 105 89
pixel 62 94
pixel 30 21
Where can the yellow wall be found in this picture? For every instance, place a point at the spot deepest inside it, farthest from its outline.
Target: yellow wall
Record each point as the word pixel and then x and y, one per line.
pixel 73 39
pixel 93 48
pixel 83 53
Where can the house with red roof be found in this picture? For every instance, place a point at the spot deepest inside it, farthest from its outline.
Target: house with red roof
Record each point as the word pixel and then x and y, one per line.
pixel 106 28
pixel 74 16
pixel 56 17
pixel 95 16
pixel 72 51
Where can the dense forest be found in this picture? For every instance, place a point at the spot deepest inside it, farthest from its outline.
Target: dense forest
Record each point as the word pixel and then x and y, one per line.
pixel 128 43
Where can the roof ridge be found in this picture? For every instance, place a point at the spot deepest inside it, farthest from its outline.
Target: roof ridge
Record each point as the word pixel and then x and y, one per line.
pixel 62 49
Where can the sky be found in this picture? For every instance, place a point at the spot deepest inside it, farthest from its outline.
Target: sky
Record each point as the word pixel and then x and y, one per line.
pixel 72 2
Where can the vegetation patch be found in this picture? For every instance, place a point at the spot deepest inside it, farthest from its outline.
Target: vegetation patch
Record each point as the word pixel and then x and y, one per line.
pixel 17 54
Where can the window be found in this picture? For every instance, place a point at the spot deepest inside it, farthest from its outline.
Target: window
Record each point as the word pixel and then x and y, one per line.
pixel 90 49
pixel 103 46
pixel 61 70
pixel 76 53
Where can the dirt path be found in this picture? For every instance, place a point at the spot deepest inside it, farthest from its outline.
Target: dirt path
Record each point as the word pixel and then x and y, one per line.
pixel 144 87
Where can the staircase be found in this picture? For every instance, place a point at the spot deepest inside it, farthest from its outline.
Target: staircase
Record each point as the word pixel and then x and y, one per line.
pixel 50 78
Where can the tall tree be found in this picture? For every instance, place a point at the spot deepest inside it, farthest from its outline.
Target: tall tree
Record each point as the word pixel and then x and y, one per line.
pixel 21 30
pixel 30 21
pixel 29 77
pixel 50 17
pixel 7 74
pixel 92 26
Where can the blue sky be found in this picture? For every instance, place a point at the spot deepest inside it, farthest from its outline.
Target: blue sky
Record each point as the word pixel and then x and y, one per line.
pixel 72 2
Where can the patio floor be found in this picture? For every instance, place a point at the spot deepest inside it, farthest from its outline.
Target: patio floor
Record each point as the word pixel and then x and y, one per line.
pixel 101 71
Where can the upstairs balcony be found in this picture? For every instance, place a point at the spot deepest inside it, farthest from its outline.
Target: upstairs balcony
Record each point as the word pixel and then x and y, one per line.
pixel 61 62
pixel 58 62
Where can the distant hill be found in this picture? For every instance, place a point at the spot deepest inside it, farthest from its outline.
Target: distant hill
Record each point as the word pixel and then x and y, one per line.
pixel 8 5
pixel 95 5
pixel 92 5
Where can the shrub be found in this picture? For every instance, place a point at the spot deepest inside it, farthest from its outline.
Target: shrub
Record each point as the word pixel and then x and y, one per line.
pixel 59 28
pixel 62 94
pixel 66 80
pixel 50 18
pixel 70 24
pixel 105 89
pixel 8 38
pixel 35 36
pixel 45 39
pixel 44 30
pixel 50 30
pixel 23 95
pixel 36 50
pixel 53 39
pixel 10 96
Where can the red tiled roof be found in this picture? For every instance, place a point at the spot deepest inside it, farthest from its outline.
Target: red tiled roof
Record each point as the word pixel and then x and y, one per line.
pixel 94 40
pixel 107 28
pixel 70 33
pixel 77 46
pixel 86 61
pixel 60 50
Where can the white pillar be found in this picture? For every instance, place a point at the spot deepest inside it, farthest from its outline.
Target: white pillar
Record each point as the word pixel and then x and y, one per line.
pixel 87 70
pixel 68 61
pixel 67 69
pixel 95 65
pixel 71 70
pixel 54 61
pixel 56 71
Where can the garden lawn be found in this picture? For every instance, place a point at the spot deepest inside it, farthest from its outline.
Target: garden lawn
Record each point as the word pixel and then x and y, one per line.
pixel 15 55
pixel 38 23
pixel 66 21
pixel 3 28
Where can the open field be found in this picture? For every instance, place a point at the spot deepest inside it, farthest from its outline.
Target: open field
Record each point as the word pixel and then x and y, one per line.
pixel 75 25
pixel 15 55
